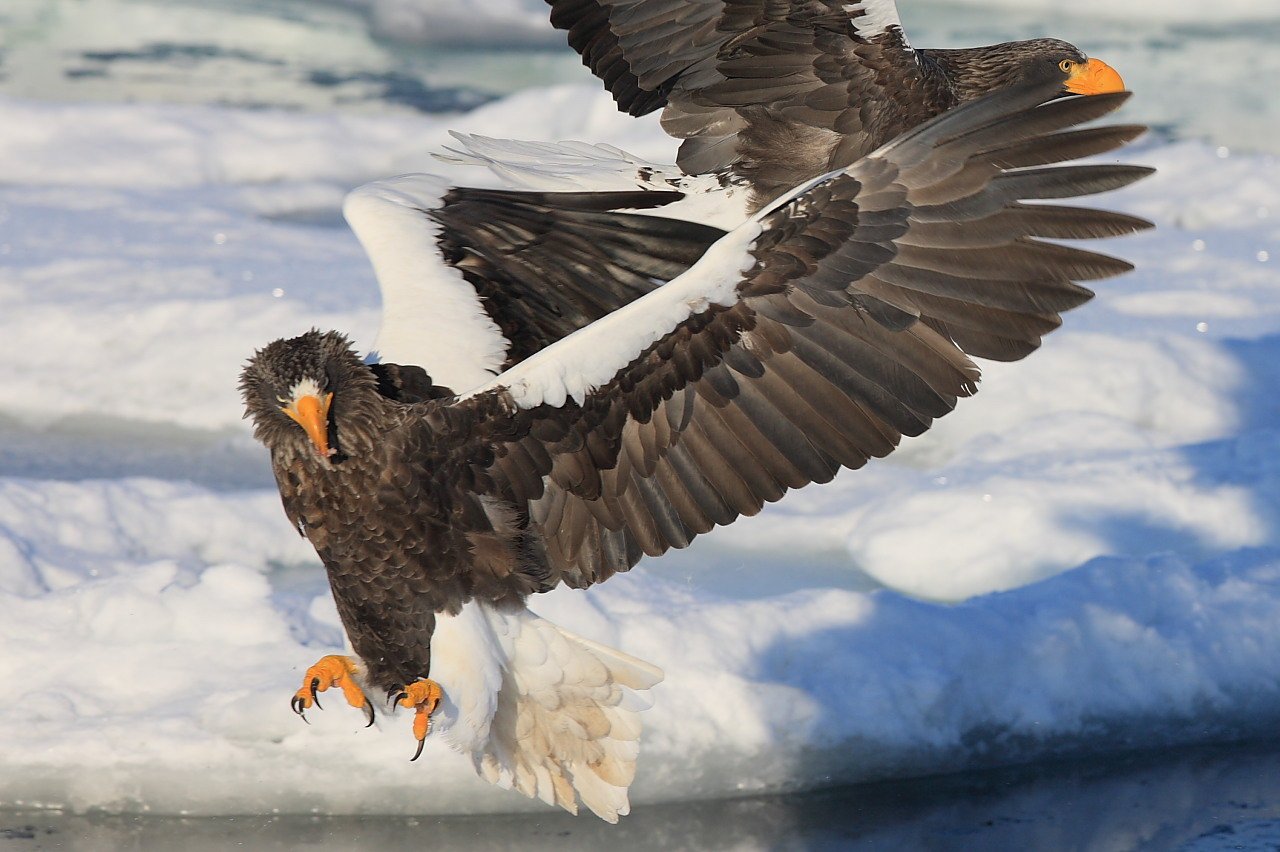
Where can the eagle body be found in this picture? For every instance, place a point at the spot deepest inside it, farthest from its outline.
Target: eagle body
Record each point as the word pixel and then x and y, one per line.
pixel 422 545
pixel 392 566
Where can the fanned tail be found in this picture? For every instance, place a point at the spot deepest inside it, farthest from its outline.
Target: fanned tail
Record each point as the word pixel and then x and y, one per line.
pixel 542 710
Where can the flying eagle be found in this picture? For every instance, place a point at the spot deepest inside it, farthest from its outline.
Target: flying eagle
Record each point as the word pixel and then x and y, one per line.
pixel 766 94
pixel 836 319
pixel 776 92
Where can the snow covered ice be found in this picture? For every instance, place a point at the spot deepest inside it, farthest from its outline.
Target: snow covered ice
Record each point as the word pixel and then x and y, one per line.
pixel 1084 557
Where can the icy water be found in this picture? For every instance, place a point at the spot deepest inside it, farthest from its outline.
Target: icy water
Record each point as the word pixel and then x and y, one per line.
pixel 1198 800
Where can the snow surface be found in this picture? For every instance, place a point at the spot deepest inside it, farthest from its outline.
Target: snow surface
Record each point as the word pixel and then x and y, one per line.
pixel 523 22
pixel 1086 556
pixel 1157 10
pixel 459 22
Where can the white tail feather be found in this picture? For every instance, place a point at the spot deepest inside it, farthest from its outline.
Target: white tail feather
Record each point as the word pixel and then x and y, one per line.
pixel 539 709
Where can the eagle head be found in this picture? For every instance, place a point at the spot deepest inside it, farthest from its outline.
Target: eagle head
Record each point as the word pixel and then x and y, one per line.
pixel 978 71
pixel 289 387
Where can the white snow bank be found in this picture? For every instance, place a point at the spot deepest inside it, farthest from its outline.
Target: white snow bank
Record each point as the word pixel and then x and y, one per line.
pixel 1159 11
pixel 163 685
pixel 524 22
pixel 149 221
pixel 87 219
pixel 460 23
pixel 149 146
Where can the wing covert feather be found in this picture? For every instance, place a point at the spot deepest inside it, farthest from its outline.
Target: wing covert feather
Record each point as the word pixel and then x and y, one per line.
pixel 778 91
pixel 763 369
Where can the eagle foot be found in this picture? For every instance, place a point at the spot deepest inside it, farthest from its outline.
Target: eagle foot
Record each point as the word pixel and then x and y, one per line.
pixel 422 697
pixel 330 671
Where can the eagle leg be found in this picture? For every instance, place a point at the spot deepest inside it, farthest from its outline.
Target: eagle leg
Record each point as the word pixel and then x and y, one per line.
pixel 422 697
pixel 329 671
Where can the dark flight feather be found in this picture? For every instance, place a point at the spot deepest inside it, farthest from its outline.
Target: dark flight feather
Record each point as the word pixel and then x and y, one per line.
pixel 546 264
pixel 830 386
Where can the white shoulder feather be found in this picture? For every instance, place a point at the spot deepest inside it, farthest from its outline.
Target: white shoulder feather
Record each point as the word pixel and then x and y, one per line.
pixel 874 18
pixel 590 357
pixel 431 316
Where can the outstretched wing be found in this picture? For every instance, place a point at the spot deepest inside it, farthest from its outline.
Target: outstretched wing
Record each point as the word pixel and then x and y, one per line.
pixel 809 339
pixel 778 91
pixel 475 280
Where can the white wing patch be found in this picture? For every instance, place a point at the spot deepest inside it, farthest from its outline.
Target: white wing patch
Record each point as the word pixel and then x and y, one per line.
pixel 540 710
pixel 591 356
pixel 874 18
pixel 431 316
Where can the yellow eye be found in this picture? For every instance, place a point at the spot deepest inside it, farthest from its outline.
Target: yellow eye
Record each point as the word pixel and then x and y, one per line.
pixel 1066 65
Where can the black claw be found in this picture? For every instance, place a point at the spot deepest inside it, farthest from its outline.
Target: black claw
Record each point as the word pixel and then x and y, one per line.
pixel 315 683
pixel 368 710
pixel 298 708
pixel 417 753
pixel 399 698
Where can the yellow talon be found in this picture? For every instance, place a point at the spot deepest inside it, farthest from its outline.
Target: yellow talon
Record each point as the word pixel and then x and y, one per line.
pixel 330 671
pixel 422 697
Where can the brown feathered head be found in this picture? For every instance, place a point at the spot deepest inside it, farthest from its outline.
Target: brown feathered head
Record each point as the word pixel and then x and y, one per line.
pixel 977 71
pixel 290 386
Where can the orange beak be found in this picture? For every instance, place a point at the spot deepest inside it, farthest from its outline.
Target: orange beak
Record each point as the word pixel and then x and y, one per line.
pixel 1094 78
pixel 312 414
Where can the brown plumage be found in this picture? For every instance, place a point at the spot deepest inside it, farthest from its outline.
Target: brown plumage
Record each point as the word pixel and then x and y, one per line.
pixel 862 300
pixel 780 91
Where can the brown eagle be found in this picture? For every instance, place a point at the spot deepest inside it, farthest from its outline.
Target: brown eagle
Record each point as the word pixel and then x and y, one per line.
pixel 766 94
pixel 775 92
pixel 836 319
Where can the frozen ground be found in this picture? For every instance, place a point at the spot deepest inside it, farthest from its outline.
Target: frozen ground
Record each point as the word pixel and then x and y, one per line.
pixel 1084 558
pixel 510 19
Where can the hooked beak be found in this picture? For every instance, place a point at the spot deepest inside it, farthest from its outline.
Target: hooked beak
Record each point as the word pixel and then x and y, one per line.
pixel 312 414
pixel 1095 77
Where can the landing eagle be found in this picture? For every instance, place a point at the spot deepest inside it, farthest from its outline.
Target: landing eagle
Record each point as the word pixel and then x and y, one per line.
pixel 640 379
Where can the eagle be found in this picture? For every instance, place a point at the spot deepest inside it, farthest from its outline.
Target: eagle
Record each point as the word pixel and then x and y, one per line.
pixel 813 336
pixel 765 94
pixel 776 92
